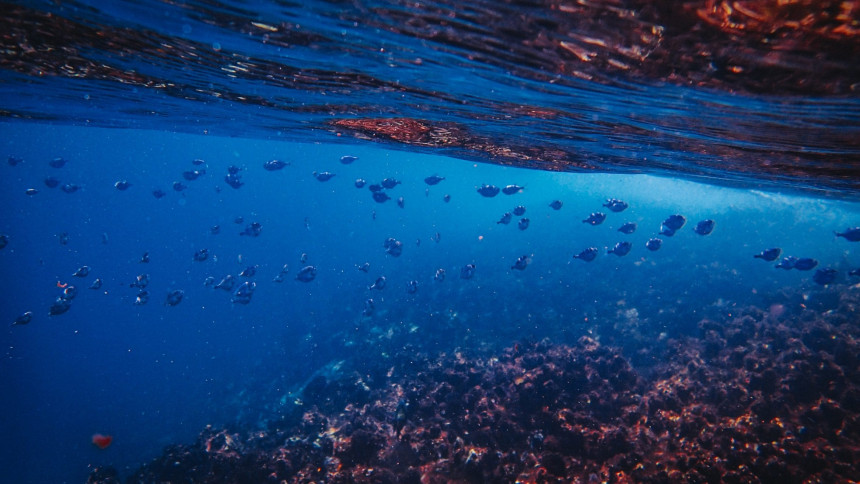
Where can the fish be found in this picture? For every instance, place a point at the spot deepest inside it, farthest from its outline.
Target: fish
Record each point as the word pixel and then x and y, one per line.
pixel 274 165
pixel 249 271
pixel 400 202
pixel 433 179
pixel 467 272
pixel 390 183
pixel 587 255
pixel 621 249
pixel 4 241
pixel 360 182
pixel 556 204
pixel 179 186
pixel 506 218
pixel 51 182
pixel 192 175
pixel 141 281
pixel 615 205
pixel 23 319
pixel 393 247
pixel 158 193
pixel 769 255
pixel 215 229
pixel 854 272
pixel 239 220
pixel 209 281
pixel 805 264
pixel 58 162
pixel 851 235
pixel 488 191
pixel 380 197
pixel 347 159
pixel 511 189
pixel 64 238
pixel 653 244
pixel 82 271
pixel 303 258
pixel 787 263
pixel 233 178
pixel 379 284
pixel 252 230
pixel 446 198
pixel 674 222
pixel 14 160
pixel 519 210
pixel 375 187
pixel 201 255
pixel 595 218
pixel 523 224
pixel 368 307
pixel 825 276
pixel 69 293
pixel 141 298
pixel 70 188
pixel 174 297
pixel 102 441
pixel 440 275
pixel 198 162
pixel 243 293
pixel 122 185
pixel 226 283
pixel 412 287
pixel 60 306
pixel 324 176
pixel 31 191
pixel 363 267
pixel 97 284
pixel 521 263
pixel 704 227
pixel 628 228
pixel 233 170
pixel 306 274
pixel 281 275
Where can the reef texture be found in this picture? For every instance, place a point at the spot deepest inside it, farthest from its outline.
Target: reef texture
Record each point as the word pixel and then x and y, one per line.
pixel 763 396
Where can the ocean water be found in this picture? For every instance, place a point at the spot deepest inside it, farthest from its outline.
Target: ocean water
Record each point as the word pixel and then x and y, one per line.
pixel 674 109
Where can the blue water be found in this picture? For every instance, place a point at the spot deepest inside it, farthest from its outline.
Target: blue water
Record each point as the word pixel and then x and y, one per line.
pixel 136 91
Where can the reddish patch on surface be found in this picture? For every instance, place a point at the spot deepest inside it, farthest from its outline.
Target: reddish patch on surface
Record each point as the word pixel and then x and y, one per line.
pixel 102 441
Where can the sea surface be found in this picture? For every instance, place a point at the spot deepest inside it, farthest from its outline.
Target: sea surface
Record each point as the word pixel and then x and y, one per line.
pixel 152 149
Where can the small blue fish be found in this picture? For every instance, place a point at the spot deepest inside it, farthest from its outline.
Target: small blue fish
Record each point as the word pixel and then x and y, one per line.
pixel 24 318
pixel 467 272
pixel 243 293
pixel 769 255
pixel 506 218
pixel 519 210
pixel 201 255
pixel 379 284
pixel 446 198
pixel 226 283
pixel 249 271
pixel 615 205
pixel 787 263
pixel 390 183
pixel 14 160
pixel 233 179
pixel 215 229
pixel 158 193
pixel 363 267
pixel 274 165
pixel 587 255
pixel 511 189
pixel 198 162
pixel 824 276
pixel 704 227
pixel 674 222
pixel 70 188
pixel 855 272
pixel 51 182
pixel 523 224
pixel 368 307
pixel 851 235
pixel 142 298
pixel 653 244
pixel 324 176
pixel 412 287
pixel 307 274
pixel 97 284
pixel 193 174
pixel 122 185
pixel 488 191
pixel 556 204
pixel 620 249
pixel 805 264
pixel 179 186
pixel 400 202
pixel 60 306
pixel 360 182
pixel 4 240
pixel 393 247
pixel 433 180
pixel 174 297
pixel 595 218
pixel 252 230
pixel 521 263
pixel 55 163
pixel 440 275
pixel 141 281
pixel 82 271
pixel 628 228
pixel 70 293
pixel 380 197
pixel 31 191
pixel 347 159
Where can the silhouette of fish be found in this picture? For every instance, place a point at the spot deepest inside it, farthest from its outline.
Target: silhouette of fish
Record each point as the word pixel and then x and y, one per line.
pixel 174 297
pixel 192 175
pixel 595 218
pixel 122 185
pixel 82 271
pixel 390 183
pixel 380 197
pixel 307 274
pixel 274 165
pixel 805 264
pixel 179 186
pixel 521 263
pixel 158 193
pixel 506 219
pixel 226 283
pixel 488 191
pixel 393 247
pixel 400 202
pixel 215 229
pixel 704 227
pixel 347 159
pixel 141 298
pixel 141 281
pixel 446 198
pixel 412 287
pixel 433 179
pixel 824 276
pixel 324 176
pixel 440 275
pixel 769 255
pixel 851 235
pixel 97 284
pixel 14 160
pixel 363 267
pixel 621 249
pixel 368 307
pixel 556 204
pixel 252 230
pixel 70 188
pixel 523 224
pixel 201 255
pixel 249 271
pixel 23 319
pixel 615 205
pixel 51 182
pixel 4 240
pixel 787 263
pixel 31 191
pixel 674 222
pixel 519 210
pixel 467 272
pixel 60 306
pixel 587 255
pixel 628 228
pixel 511 189
pixel 56 162
pixel 360 182
pixel 653 244
pixel 243 293
pixel 379 284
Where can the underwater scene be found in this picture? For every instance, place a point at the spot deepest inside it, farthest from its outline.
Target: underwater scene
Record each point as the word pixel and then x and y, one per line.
pixel 387 241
